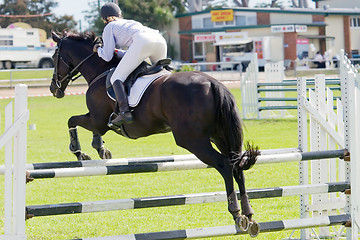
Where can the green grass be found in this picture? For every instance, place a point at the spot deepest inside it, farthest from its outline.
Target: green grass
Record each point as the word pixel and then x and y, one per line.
pixel 24 74
pixel 49 143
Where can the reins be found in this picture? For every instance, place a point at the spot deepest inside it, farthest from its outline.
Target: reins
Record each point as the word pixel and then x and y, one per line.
pixel 101 75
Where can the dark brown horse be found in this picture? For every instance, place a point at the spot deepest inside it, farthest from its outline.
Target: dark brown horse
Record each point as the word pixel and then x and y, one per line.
pixel 197 108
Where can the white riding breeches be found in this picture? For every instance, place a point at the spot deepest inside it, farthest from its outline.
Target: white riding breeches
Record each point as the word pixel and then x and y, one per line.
pixel 145 44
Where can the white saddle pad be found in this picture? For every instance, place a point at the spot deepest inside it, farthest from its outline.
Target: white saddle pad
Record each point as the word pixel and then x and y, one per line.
pixel 140 86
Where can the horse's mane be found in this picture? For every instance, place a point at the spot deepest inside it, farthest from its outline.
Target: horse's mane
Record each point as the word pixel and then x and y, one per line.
pixel 83 36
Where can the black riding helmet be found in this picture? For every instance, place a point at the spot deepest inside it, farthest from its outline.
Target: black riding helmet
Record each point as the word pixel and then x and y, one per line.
pixel 110 9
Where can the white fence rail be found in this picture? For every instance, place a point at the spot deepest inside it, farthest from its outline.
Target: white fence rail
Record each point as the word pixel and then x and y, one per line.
pixel 11 79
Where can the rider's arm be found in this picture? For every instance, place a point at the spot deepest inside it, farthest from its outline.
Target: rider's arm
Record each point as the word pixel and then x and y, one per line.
pixel 106 52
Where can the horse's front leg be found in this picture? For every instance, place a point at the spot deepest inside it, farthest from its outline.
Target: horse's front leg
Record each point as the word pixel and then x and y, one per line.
pixel 97 142
pixel 75 147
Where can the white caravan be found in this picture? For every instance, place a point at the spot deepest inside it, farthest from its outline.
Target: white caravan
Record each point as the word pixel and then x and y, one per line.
pixel 22 48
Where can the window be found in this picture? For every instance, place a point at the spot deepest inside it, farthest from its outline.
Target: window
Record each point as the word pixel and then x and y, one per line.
pixel 207 23
pixel 240 20
pixel 196 23
pixel 4 42
pixel 245 19
pixel 251 20
pixel 355 22
pixel 198 49
pixel 224 24
pixel 6 36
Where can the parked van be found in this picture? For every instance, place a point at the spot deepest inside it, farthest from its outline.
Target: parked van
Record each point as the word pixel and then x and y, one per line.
pixel 22 48
pixel 268 49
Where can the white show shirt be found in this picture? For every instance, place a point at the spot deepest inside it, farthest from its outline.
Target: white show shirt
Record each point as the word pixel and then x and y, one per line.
pixel 118 34
pixel 142 43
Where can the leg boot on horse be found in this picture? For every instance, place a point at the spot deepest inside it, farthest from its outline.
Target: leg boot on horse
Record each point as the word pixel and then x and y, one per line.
pixel 124 111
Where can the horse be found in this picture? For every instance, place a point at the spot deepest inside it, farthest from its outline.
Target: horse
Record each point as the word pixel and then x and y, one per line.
pixel 196 108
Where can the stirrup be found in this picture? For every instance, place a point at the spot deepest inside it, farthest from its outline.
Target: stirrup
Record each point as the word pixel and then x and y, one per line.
pixel 122 118
pixel 112 116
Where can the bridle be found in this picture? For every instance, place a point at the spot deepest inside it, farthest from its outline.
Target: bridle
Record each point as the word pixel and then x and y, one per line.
pixel 72 72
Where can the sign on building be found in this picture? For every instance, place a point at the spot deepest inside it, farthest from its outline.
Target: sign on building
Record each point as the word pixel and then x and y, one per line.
pixel 222 15
pixel 204 38
pixel 231 37
pixel 288 28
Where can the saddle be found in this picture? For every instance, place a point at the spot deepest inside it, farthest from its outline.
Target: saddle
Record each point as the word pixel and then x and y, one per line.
pixel 143 69
pixel 135 89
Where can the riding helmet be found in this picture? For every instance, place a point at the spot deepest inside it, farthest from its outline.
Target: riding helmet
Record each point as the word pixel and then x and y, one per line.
pixel 110 9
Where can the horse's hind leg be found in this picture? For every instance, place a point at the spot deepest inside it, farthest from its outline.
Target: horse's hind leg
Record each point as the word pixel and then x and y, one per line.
pixel 203 150
pixel 254 227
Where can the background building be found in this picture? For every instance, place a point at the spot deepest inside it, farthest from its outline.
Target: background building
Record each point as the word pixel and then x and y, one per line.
pixel 274 33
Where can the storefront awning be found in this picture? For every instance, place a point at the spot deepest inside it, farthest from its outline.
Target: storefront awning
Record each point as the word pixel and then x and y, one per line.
pixel 243 41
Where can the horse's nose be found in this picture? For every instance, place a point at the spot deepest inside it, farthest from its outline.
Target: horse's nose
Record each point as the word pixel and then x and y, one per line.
pixel 58 93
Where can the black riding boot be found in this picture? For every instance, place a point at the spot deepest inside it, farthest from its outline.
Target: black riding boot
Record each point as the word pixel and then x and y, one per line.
pixel 125 115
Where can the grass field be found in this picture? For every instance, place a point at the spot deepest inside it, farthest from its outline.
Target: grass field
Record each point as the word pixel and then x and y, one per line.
pixel 49 143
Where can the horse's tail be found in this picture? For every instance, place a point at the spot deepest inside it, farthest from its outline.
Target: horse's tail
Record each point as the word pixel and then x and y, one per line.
pixel 229 133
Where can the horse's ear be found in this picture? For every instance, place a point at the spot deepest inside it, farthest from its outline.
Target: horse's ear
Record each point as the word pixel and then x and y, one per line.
pixel 55 37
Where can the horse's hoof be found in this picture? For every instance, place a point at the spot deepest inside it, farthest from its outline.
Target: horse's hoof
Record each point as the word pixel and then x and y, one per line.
pixel 84 156
pixel 242 222
pixel 254 228
pixel 105 153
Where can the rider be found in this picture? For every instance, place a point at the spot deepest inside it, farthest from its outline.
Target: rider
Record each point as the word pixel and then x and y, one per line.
pixel 142 42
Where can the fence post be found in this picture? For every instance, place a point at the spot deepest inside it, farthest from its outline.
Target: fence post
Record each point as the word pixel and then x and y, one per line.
pixel 303 146
pixel 249 94
pixel 15 200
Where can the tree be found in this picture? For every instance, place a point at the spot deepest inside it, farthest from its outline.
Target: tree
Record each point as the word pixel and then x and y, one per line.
pixel 300 3
pixel 242 3
pixel 94 18
pixel 178 6
pixel 152 13
pixel 273 4
pixel 37 13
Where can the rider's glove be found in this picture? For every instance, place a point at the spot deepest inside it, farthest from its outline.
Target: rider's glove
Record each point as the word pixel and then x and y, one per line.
pixel 96 46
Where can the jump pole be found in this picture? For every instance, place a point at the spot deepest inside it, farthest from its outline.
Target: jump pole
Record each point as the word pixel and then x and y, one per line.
pixel 177 200
pixel 274 226
pixel 174 166
pixel 132 161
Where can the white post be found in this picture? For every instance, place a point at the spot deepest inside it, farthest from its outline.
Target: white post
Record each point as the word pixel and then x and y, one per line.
pixel 355 167
pixel 20 161
pixel 14 228
pixel 346 99
pixel 249 95
pixel 274 73
pixel 303 146
pixel 8 174
pixel 354 154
